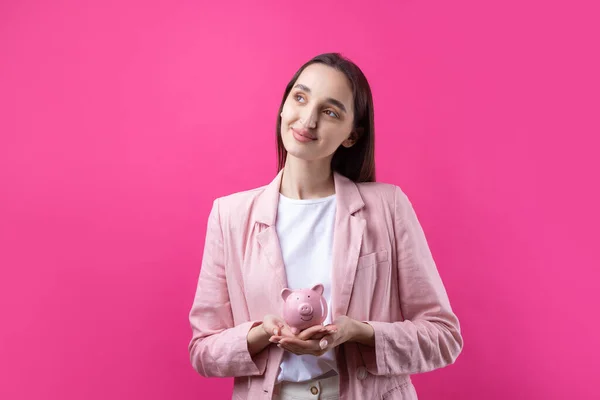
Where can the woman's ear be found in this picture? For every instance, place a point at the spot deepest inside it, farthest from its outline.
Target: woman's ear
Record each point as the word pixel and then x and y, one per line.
pixel 353 138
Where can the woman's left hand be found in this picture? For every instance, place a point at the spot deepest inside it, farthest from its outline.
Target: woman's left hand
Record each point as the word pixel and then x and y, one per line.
pixel 342 330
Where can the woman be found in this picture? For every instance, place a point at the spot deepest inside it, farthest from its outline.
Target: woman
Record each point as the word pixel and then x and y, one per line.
pixel 323 219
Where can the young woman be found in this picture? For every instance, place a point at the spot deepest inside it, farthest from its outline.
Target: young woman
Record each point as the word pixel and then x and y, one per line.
pixel 323 219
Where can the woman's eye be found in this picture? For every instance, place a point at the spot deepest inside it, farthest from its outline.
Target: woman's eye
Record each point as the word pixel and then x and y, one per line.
pixel 331 113
pixel 299 98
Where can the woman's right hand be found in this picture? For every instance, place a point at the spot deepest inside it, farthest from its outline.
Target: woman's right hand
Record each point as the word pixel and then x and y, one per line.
pixel 259 336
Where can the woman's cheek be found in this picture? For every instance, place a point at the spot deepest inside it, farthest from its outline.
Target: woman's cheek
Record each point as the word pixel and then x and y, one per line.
pixel 288 114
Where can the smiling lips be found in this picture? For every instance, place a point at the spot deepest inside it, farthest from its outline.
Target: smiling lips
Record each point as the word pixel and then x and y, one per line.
pixel 303 135
pixel 302 318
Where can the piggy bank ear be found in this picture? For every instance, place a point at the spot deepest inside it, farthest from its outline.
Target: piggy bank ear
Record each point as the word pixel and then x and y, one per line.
pixel 285 293
pixel 318 288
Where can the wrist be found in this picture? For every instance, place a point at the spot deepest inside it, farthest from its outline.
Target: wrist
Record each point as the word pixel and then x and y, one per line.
pixel 362 332
pixel 261 333
pixel 265 333
pixel 257 339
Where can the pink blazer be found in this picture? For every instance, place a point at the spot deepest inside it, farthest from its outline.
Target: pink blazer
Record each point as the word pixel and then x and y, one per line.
pixel 383 274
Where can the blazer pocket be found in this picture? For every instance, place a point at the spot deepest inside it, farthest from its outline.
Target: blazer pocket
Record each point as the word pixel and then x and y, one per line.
pixel 368 260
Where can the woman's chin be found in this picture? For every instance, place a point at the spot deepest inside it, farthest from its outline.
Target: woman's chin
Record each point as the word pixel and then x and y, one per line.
pixel 299 150
pixel 300 155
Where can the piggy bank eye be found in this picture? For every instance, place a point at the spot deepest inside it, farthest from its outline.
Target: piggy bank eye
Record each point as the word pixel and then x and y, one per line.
pixel 309 296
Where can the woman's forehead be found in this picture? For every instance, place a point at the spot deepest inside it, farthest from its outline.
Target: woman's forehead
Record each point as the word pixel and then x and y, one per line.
pixel 324 81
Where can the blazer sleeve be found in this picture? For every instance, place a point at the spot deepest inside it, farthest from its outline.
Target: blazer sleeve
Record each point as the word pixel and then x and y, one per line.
pixel 429 336
pixel 218 348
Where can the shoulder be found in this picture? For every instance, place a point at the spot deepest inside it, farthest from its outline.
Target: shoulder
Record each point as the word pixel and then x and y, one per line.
pixel 388 193
pixel 238 204
pixel 239 198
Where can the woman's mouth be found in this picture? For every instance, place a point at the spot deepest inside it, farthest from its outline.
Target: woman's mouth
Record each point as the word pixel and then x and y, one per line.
pixel 302 135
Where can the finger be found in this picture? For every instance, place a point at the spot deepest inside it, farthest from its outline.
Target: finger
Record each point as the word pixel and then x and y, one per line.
pixel 308 332
pixel 323 343
pixel 278 338
pixel 304 344
pixel 286 332
pixel 275 339
pixel 301 351
pixel 291 349
pixel 315 351
pixel 319 336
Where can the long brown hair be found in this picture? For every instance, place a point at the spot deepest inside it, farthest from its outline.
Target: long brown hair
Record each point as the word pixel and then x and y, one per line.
pixel 357 162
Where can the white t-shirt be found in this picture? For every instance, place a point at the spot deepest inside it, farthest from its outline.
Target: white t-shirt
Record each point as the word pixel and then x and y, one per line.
pixel 305 231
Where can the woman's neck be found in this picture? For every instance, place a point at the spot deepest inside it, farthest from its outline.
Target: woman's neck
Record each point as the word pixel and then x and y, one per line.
pixel 306 179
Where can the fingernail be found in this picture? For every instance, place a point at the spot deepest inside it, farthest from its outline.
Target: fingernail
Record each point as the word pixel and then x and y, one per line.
pixel 323 343
pixel 276 332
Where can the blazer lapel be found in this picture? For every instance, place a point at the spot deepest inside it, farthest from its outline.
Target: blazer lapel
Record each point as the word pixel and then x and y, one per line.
pixel 347 241
pixel 267 204
pixel 269 242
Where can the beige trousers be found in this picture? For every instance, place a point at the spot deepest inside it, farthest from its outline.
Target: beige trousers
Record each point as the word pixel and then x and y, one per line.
pixel 316 389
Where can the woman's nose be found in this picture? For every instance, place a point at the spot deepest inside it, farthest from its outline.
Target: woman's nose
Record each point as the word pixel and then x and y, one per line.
pixel 309 119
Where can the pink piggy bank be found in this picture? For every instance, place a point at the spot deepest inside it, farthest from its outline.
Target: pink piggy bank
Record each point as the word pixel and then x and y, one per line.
pixel 304 308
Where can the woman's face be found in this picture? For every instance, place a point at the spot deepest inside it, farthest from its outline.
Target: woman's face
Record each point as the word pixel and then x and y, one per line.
pixel 318 114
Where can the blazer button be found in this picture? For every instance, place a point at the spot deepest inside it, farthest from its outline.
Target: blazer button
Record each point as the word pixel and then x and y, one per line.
pixel 361 373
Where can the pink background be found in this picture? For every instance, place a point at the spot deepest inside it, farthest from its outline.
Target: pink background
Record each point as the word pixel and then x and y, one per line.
pixel 120 122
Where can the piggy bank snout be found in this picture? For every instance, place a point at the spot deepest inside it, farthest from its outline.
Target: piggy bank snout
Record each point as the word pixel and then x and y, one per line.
pixel 305 309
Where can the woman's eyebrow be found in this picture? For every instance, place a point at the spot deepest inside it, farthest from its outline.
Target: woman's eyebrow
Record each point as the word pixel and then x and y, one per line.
pixel 329 100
